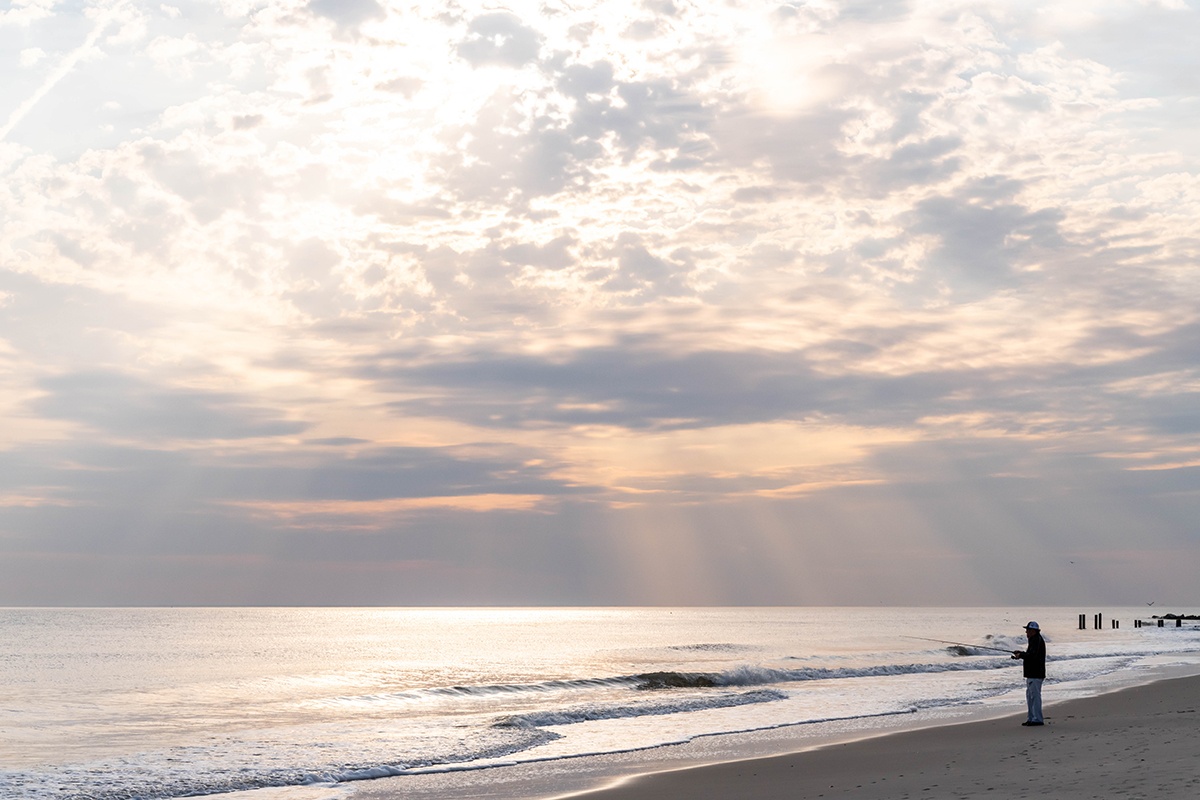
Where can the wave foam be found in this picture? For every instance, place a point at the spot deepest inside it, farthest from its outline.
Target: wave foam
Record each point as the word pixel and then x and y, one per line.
pixel 570 716
pixel 742 676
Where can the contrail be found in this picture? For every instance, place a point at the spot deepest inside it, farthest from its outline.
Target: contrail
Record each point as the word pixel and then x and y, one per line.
pixel 64 67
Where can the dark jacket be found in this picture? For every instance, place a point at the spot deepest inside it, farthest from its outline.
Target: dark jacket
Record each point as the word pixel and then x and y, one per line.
pixel 1034 659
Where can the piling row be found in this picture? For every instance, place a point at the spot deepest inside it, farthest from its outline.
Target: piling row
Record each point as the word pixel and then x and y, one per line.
pixel 1098 622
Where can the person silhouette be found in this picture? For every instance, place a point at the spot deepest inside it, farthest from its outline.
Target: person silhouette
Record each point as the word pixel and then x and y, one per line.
pixel 1034 668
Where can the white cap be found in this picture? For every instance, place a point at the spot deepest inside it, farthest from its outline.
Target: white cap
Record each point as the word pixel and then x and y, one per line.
pixel 1032 626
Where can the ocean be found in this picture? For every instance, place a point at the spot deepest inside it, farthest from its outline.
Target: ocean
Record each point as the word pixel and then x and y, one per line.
pixel 108 704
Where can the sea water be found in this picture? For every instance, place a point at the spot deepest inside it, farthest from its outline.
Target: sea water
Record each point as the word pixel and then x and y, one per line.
pixel 163 703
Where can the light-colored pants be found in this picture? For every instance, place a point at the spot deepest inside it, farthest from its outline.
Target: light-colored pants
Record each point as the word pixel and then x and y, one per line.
pixel 1033 698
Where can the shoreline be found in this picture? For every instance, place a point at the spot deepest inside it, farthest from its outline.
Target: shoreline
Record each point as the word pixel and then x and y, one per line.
pixel 1137 742
pixel 971 746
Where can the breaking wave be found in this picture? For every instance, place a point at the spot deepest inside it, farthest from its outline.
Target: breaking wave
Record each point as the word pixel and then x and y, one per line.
pixel 741 676
pixel 570 716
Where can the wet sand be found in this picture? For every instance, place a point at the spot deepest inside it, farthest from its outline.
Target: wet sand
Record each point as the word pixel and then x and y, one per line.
pixel 1140 742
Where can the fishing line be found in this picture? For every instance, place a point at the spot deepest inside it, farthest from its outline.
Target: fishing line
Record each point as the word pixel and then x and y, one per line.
pixel 960 644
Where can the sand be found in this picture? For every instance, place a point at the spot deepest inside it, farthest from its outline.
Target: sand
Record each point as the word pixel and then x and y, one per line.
pixel 1136 743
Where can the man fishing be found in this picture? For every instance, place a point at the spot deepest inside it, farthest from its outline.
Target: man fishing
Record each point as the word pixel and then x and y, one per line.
pixel 1034 665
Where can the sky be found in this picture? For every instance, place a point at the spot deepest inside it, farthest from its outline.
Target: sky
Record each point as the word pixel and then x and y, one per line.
pixel 361 302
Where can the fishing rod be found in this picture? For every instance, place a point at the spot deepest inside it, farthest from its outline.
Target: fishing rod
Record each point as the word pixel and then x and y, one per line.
pixel 960 644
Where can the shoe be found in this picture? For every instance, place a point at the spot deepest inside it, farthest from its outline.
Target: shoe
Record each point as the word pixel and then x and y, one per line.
pixel 1028 724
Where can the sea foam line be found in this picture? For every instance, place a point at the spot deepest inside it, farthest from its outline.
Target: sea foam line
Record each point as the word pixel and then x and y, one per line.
pixel 741 676
pixel 570 716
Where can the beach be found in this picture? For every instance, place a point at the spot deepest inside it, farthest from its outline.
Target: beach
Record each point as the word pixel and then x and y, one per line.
pixel 1134 743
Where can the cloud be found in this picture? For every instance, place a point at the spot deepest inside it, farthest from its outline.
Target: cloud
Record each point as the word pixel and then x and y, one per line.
pixel 802 149
pixel 982 242
pixel 629 385
pixel 919 164
pixel 639 270
pixel 209 191
pixel 31 56
pixel 53 324
pixel 151 508
pixel 347 13
pixel 499 38
pixel 47 492
pixel 25 13
pixel 126 406
pixel 513 156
